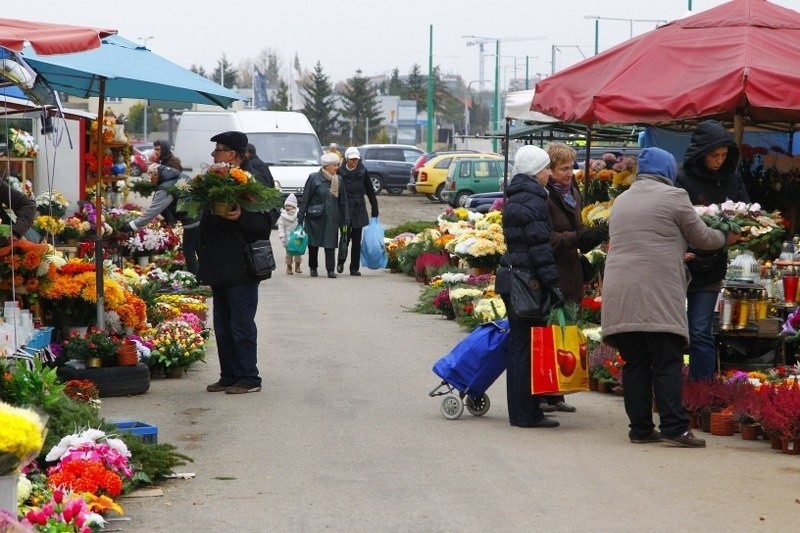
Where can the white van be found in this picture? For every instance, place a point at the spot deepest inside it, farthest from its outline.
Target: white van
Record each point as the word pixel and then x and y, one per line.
pixel 285 140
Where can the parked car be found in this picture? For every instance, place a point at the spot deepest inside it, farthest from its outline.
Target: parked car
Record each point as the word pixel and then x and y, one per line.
pixel 389 165
pixel 424 159
pixel 432 175
pixel 481 202
pixel 470 175
pixel 140 158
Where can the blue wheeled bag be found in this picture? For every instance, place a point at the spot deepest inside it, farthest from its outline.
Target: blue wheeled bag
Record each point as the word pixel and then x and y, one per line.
pixel 470 368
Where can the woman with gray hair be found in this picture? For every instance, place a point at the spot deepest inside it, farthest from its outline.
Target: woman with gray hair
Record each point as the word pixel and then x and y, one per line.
pixel 322 211
pixel 526 226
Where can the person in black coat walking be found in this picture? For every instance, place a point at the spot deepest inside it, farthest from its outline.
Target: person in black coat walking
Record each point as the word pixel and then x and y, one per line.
pixel 709 175
pixel 357 183
pixel 527 228
pixel 235 290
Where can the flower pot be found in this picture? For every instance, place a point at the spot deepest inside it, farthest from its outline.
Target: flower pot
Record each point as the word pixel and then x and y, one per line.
pixel 481 271
pixel 143 260
pixel 790 446
pixel 604 386
pixel 593 383
pixel 775 441
pixel 221 208
pixel 749 431
pixel 71 242
pixel 705 419
pixel 175 372
pixel 722 424
pixel 93 362
pixel 127 355
pixel 8 493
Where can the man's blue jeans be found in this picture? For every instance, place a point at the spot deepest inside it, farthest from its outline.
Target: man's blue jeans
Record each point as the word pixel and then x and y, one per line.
pixel 702 351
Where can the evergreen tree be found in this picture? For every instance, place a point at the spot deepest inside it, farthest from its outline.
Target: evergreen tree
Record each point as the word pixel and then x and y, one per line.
pixel 199 70
pixel 224 73
pixel 273 70
pixel 135 120
pixel 319 102
pixel 395 86
pixel 360 103
pixel 416 88
pixel 280 101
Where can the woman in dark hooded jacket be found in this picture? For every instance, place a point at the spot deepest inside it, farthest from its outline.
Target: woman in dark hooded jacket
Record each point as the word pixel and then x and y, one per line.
pixel 357 184
pixel 526 226
pixel 164 155
pixel 709 175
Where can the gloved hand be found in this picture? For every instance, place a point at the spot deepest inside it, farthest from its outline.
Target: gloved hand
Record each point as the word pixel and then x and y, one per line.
pixel 556 297
pixel 374 212
pixel 588 238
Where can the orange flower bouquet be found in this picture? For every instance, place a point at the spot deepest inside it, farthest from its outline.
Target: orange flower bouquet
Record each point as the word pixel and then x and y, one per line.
pixel 223 184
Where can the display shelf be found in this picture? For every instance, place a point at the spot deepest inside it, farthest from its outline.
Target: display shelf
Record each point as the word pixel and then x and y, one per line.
pixel 23 167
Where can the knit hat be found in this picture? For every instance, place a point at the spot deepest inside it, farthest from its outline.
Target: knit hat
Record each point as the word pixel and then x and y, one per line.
pixel 530 160
pixel 329 158
pixel 290 200
pixel 352 153
pixel 657 161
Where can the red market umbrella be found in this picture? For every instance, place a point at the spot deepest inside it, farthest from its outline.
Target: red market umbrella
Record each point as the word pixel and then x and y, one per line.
pixel 737 62
pixel 46 38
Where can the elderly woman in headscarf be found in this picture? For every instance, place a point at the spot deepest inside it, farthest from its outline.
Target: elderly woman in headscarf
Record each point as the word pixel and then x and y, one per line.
pixel 526 226
pixel 323 211
pixel 644 295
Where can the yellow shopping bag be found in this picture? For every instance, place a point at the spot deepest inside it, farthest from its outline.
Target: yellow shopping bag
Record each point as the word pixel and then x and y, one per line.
pixel 558 359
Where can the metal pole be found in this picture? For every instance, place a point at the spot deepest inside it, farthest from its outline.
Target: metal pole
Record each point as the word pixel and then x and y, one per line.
pixel 527 76
pixel 496 110
pixel 596 36
pixel 98 204
pixel 429 143
pixel 144 133
pixel 690 5
pixel 366 131
pixel 552 59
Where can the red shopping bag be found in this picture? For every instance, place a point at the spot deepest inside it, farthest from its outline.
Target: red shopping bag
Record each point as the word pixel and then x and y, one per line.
pixel 558 360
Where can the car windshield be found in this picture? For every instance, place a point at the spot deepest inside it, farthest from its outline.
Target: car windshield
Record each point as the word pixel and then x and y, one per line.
pixel 287 149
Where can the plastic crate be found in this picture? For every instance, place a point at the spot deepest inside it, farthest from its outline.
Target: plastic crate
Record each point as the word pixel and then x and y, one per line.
pixel 147 433
pixel 41 339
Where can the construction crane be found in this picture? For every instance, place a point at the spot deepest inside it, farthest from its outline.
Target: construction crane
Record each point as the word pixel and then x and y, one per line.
pixel 481 42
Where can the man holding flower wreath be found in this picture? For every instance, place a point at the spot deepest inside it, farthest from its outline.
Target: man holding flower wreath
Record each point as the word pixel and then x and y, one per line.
pixel 235 291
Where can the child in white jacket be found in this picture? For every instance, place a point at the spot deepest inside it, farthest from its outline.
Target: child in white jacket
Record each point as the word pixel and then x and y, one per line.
pixel 287 222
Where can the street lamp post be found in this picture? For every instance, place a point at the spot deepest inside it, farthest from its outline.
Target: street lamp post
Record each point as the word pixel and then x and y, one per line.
pixel 144 135
pixel 597 20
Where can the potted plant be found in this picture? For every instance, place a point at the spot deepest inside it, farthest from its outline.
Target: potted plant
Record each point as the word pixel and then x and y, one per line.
pixel 73 229
pixel 780 415
pixel 96 348
pixel 443 303
pixel 429 264
pixel 51 203
pixel 47 225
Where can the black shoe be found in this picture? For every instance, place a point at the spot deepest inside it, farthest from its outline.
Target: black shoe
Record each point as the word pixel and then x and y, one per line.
pixel 340 268
pixel 547 408
pixel 313 272
pixel 654 436
pixel 687 440
pixel 564 407
pixel 355 273
pixel 219 386
pixel 543 423
pixel 331 274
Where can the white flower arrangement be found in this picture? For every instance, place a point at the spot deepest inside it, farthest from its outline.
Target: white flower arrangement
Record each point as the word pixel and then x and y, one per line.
pixel 148 239
pixel 490 309
pixel 593 334
pixel 454 278
pixel 465 294
pixel 181 279
pixel 22 143
pixel 55 198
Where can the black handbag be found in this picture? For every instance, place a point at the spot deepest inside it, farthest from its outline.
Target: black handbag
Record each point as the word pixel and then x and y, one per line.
pixel 528 299
pixel 315 211
pixel 259 259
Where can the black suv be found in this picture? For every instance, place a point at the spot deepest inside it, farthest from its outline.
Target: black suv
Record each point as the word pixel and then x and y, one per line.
pixel 389 165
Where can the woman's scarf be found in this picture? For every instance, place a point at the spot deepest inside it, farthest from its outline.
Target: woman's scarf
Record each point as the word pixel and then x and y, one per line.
pixel 565 191
pixel 334 179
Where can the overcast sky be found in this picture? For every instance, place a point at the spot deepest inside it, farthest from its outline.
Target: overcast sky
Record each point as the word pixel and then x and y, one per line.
pixel 372 35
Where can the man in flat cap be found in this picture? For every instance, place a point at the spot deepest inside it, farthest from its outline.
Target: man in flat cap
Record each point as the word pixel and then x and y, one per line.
pixel 235 291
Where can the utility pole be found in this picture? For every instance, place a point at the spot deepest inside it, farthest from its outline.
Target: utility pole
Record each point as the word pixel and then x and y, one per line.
pixel 429 132
pixel 144 133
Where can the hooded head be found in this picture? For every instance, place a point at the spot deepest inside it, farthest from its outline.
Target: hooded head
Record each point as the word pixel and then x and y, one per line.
pixel 707 137
pixel 290 200
pixel 530 160
pixel 164 147
pixel 352 153
pixel 658 162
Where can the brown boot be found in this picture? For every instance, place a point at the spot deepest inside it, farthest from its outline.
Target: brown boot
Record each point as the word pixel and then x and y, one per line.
pixel 289 270
pixel 297 268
